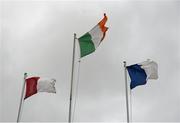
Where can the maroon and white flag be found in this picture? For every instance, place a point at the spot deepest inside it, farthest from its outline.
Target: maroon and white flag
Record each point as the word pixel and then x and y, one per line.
pixel 37 84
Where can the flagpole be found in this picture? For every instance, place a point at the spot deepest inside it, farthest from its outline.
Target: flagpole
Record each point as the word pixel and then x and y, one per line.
pixel 127 98
pixel 72 77
pixel 131 119
pixel 22 98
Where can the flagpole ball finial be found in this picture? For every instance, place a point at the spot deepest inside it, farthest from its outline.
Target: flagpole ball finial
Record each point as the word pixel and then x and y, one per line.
pixel 25 75
pixel 75 36
pixel 124 63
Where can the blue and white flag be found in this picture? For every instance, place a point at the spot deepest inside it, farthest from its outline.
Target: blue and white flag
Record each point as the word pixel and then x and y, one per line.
pixel 140 73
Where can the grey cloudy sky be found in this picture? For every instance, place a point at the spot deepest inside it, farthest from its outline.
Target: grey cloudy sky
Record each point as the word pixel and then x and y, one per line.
pixel 37 38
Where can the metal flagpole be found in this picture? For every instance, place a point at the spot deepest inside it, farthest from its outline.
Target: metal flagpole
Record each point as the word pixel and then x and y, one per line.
pixel 75 99
pixel 72 78
pixel 127 98
pixel 22 98
pixel 131 106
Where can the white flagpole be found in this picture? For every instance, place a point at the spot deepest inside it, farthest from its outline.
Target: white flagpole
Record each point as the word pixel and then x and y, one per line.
pixel 75 100
pixel 131 118
pixel 22 98
pixel 127 98
pixel 72 78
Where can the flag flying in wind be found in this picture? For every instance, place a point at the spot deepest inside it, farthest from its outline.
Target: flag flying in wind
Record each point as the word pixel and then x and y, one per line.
pixel 91 40
pixel 140 73
pixel 37 84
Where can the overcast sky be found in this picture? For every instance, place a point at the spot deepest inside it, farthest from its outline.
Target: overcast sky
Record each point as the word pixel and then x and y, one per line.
pixel 37 38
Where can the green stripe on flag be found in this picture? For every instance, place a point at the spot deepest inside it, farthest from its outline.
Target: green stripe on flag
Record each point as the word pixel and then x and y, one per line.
pixel 86 45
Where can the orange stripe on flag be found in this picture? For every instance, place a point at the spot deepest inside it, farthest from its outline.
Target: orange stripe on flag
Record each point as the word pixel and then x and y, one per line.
pixel 102 25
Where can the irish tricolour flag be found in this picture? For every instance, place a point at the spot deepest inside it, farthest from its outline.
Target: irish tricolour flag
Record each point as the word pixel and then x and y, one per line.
pixel 91 40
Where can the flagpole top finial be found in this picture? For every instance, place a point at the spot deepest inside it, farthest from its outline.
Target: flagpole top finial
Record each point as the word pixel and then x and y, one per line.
pixel 75 35
pixel 25 75
pixel 124 63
